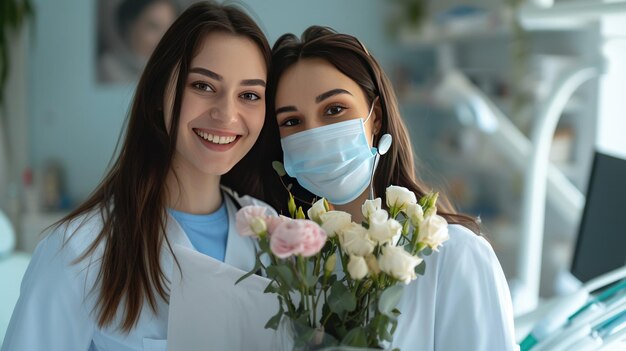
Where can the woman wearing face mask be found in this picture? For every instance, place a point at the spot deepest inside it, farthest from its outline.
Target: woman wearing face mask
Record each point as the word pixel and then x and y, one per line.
pixel 332 104
pixel 100 279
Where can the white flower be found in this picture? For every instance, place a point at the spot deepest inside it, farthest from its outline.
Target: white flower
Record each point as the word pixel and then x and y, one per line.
pixel 355 240
pixel 398 263
pixel 258 225
pixel 433 231
pixel 246 216
pixel 317 210
pixel 357 267
pixel 382 229
pixel 415 212
pixel 399 197
pixel 334 221
pixel 371 206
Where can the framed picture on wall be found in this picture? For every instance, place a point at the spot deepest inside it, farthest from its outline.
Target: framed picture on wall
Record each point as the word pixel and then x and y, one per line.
pixel 128 31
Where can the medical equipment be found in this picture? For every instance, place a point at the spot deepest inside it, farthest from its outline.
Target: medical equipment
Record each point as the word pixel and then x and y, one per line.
pixel 383 146
pixel 564 15
pixel 602 232
pixel 580 321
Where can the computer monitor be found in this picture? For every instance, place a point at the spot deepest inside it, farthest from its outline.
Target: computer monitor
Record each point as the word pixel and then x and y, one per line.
pixel 601 243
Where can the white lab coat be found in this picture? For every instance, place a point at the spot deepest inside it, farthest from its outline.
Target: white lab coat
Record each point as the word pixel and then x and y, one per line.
pixel 462 302
pixel 54 308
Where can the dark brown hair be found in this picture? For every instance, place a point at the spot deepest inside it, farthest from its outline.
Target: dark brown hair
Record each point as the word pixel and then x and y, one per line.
pixel 350 56
pixel 131 198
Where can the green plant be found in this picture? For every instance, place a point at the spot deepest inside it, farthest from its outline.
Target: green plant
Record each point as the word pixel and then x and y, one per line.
pixel 13 14
pixel 406 13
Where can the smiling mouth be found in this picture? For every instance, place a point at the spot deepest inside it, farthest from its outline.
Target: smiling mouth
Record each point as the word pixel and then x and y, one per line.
pixel 215 139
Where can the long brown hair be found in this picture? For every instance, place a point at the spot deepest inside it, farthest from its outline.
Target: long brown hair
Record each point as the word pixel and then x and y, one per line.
pixel 131 198
pixel 350 56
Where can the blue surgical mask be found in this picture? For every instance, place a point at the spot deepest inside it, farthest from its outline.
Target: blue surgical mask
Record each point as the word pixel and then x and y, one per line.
pixel 333 161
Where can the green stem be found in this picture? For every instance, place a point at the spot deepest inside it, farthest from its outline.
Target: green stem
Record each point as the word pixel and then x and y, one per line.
pixel 303 288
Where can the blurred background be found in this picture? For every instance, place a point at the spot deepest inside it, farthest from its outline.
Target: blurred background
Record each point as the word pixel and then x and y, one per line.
pixel 507 103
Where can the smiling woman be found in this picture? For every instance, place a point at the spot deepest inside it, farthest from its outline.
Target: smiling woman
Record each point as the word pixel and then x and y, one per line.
pixel 100 278
pixel 223 110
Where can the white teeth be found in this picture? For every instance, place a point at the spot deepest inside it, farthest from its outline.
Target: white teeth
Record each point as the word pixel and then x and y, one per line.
pixel 216 139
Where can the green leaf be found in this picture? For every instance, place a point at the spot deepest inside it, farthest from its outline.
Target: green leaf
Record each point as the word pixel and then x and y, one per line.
pixel 257 266
pixel 396 312
pixel 271 288
pixel 331 280
pixel 311 280
pixel 273 322
pixel 279 168
pixel 341 299
pixel 355 337
pixel 389 299
pixel 420 268
pixel 383 330
pixel 282 274
pixel 427 251
pixel 394 325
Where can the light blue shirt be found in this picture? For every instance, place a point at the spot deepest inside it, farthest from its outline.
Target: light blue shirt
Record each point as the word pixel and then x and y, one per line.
pixel 207 232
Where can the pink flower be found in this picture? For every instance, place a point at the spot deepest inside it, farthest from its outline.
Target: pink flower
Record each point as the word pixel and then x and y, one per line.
pixel 297 237
pixel 273 222
pixel 246 217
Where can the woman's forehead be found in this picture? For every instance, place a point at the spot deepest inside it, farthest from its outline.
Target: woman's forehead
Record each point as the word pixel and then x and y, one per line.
pixel 225 52
pixel 309 78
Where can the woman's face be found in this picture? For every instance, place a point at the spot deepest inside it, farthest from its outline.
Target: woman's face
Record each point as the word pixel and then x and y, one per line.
pixel 313 93
pixel 223 104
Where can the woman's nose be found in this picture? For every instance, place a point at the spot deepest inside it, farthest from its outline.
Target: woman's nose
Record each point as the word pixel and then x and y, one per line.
pixel 311 123
pixel 224 110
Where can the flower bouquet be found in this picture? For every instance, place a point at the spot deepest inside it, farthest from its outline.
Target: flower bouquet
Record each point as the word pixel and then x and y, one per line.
pixel 339 282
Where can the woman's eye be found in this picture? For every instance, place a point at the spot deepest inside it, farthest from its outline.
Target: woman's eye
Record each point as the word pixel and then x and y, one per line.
pixel 290 122
pixel 250 96
pixel 203 86
pixel 334 110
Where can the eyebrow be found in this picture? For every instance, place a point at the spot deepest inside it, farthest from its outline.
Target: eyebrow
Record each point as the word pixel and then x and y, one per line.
pixel 286 109
pixel 252 82
pixel 211 74
pixel 318 99
pixel 330 93
pixel 206 72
